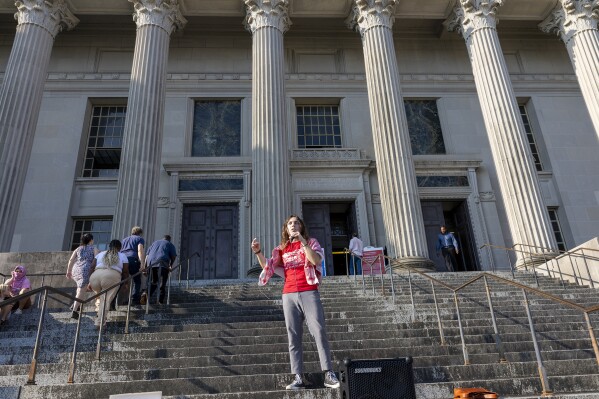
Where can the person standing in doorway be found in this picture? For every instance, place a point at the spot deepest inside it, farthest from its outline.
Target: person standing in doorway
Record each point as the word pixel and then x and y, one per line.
pixel 448 245
pixel 160 259
pixel 133 249
pixel 356 247
pixel 298 259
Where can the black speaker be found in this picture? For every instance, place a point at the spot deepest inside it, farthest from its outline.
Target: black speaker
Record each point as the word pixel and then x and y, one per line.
pixel 377 379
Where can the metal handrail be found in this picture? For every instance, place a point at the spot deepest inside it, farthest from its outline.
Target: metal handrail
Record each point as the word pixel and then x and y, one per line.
pixel 485 276
pixel 570 254
pixel 48 289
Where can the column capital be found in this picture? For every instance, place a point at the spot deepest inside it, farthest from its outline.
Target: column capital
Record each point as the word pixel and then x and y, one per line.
pixel 165 14
pixel 472 15
pixel 267 13
pixel 53 16
pixel 571 17
pixel 366 14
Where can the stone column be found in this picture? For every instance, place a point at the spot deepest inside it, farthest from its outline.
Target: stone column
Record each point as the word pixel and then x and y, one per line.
pixel 575 21
pixel 527 215
pixel 402 213
pixel 267 21
pixel 139 171
pixel 39 21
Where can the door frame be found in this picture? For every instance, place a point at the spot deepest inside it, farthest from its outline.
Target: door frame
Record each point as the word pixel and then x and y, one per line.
pixel 229 197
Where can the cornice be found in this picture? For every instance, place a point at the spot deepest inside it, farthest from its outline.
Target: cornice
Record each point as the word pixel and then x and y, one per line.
pixel 234 165
pixel 53 16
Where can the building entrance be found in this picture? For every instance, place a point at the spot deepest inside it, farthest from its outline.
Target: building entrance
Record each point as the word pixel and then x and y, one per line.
pixel 213 232
pixel 454 215
pixel 332 224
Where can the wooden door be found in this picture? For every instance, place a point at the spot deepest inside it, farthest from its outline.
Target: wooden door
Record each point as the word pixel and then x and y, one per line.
pixel 213 232
pixel 432 213
pixel 318 222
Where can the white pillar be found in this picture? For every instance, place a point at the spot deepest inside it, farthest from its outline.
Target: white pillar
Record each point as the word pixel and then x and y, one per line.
pixel 575 21
pixel 527 215
pixel 139 171
pixel 402 213
pixel 267 21
pixel 39 22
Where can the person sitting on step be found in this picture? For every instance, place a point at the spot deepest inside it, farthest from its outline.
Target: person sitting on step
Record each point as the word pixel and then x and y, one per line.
pixel 16 285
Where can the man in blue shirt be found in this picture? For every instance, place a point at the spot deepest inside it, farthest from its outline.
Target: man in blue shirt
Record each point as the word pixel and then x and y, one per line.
pixel 160 258
pixel 133 249
pixel 448 245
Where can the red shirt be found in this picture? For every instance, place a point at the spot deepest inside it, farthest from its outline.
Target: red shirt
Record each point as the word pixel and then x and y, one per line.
pixel 294 259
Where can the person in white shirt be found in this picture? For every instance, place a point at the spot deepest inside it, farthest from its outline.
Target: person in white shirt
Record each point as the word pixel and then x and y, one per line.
pixel 356 246
pixel 108 266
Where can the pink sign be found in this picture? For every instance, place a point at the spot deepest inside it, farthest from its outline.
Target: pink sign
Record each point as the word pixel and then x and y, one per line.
pixel 373 261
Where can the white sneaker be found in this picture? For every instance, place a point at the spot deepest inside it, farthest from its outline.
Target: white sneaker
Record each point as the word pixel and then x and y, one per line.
pixel 330 380
pixel 18 311
pixel 297 383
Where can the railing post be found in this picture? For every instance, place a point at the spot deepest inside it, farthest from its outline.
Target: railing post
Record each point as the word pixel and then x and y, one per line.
pixel 441 334
pixel 179 275
pixel 559 270
pixel 382 278
pixel 507 254
pixel 542 373
pixel 573 269
pixel 188 261
pixel 168 292
pixel 498 342
pixel 464 350
pixel 584 258
pixel 149 288
pixel 592 335
pixel 71 376
pixel 346 263
pixel 43 284
pixel 129 305
pixel 33 367
pixel 101 329
pixel 392 283
pixel 412 295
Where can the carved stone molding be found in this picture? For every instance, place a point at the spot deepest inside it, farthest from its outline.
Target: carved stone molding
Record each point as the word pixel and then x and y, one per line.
pixel 338 183
pixel 571 17
pixel 267 13
pixel 52 16
pixel 486 196
pixel 162 13
pixel 163 202
pixel 472 15
pixel 367 14
pixel 326 154
pixel 376 198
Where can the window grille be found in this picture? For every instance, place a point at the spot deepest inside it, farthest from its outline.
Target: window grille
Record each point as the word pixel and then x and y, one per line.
pixel 318 126
pixel 534 149
pixel 103 152
pixel 100 228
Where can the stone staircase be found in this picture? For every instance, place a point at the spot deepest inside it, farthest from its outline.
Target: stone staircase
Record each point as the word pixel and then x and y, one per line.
pixel 227 341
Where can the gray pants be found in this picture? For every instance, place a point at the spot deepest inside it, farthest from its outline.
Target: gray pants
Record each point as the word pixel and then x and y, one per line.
pixel 297 307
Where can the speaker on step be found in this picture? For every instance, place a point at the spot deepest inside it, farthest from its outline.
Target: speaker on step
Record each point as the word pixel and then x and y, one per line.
pixel 377 379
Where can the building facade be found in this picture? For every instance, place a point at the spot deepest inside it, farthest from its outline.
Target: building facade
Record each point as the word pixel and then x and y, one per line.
pixel 212 121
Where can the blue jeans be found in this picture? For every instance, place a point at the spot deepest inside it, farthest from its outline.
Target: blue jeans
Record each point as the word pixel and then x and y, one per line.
pixel 357 261
pixel 134 265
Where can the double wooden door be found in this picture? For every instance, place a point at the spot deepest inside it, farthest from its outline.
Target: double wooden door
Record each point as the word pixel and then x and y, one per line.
pixel 213 232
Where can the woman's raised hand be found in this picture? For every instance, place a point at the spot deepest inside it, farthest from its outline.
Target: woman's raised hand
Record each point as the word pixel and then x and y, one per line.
pixel 255 245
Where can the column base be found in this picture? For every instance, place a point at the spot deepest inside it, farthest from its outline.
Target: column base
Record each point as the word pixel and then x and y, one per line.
pixel 416 262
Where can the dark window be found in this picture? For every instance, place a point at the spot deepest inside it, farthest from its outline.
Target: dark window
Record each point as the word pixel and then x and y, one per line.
pixel 103 152
pixel 531 138
pixel 557 229
pixel 100 228
pixel 216 129
pixel 424 127
pixel 442 181
pixel 318 126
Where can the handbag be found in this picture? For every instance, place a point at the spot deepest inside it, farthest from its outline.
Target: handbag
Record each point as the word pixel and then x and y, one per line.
pixel 473 393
